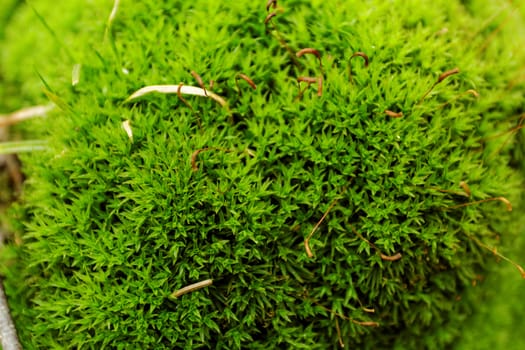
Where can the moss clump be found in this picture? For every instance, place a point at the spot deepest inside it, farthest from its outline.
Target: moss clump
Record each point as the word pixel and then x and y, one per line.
pixel 115 225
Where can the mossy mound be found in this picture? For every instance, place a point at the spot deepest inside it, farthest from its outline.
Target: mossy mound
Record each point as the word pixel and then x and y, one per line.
pixel 115 224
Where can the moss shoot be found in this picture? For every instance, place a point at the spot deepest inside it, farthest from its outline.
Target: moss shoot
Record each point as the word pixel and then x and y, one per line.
pixel 295 174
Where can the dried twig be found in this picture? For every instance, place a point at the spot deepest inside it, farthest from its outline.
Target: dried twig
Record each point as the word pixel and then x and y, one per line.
pixel 192 288
pixel 307 240
pixel 394 257
pixel 339 337
pixel 246 79
pixel 494 251
pixel 24 114
pixel 442 77
pixel 199 81
pixel 176 89
pixel 501 199
pixel 393 114
pixel 356 54
pixel 127 128
pixel 309 81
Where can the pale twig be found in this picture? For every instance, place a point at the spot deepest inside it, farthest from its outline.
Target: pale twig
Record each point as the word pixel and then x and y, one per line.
pixel 177 89
pixel 24 114
pixel 192 287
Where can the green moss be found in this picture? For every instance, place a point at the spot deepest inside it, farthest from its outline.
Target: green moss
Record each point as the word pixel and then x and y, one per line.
pixel 112 226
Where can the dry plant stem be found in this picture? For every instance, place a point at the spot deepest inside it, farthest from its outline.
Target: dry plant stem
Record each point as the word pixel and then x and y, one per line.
pixel 311 51
pixel 442 77
pixel 268 21
pixel 501 199
pixel 369 310
pixel 465 188
pixel 494 251
pixel 513 130
pixel 246 79
pixel 394 114
pixel 75 74
pixel 111 18
pixel 192 288
pixel 356 54
pixel 271 3
pixel 394 257
pixel 494 33
pixel 195 154
pixel 199 81
pixel 309 81
pixel 470 91
pixel 307 240
pixel 346 318
pixel 462 184
pixel 339 337
pixel 510 132
pixel 8 337
pixel 179 94
pixel 24 114
pixel 126 125
pixel 176 89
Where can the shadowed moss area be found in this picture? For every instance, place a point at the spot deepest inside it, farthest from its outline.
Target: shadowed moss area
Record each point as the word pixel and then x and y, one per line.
pixel 111 225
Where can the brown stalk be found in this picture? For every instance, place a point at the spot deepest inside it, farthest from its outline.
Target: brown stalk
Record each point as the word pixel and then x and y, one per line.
pixel 510 132
pixel 195 154
pixel 182 98
pixel 199 81
pixel 268 18
pixel 470 91
pixel 494 251
pixel 501 199
pixel 462 184
pixel 307 240
pixel 394 114
pixel 394 257
pixel 346 318
pixel 339 337
pixel 440 79
pixel 465 188
pixel 271 3
pixel 192 288
pixel 309 81
pixel 281 40
pixel 246 79
pixel 356 54
pixel 311 51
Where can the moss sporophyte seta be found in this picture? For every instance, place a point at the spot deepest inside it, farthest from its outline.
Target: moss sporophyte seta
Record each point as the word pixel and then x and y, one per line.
pixel 292 174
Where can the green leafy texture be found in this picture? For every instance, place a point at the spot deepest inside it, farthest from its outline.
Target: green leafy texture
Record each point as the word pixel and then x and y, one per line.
pixel 112 226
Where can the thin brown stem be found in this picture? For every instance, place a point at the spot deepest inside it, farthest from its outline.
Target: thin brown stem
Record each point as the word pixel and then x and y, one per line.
pixel 500 199
pixel 346 318
pixel 457 97
pixel 271 3
pixel 268 21
pixel 246 79
pixel 339 337
pixel 394 114
pixel 440 79
pixel 356 54
pixel 179 94
pixel 311 51
pixel 195 154
pixel 307 240
pixel 309 81
pixel 494 251
pixel 394 257
pixel 199 81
